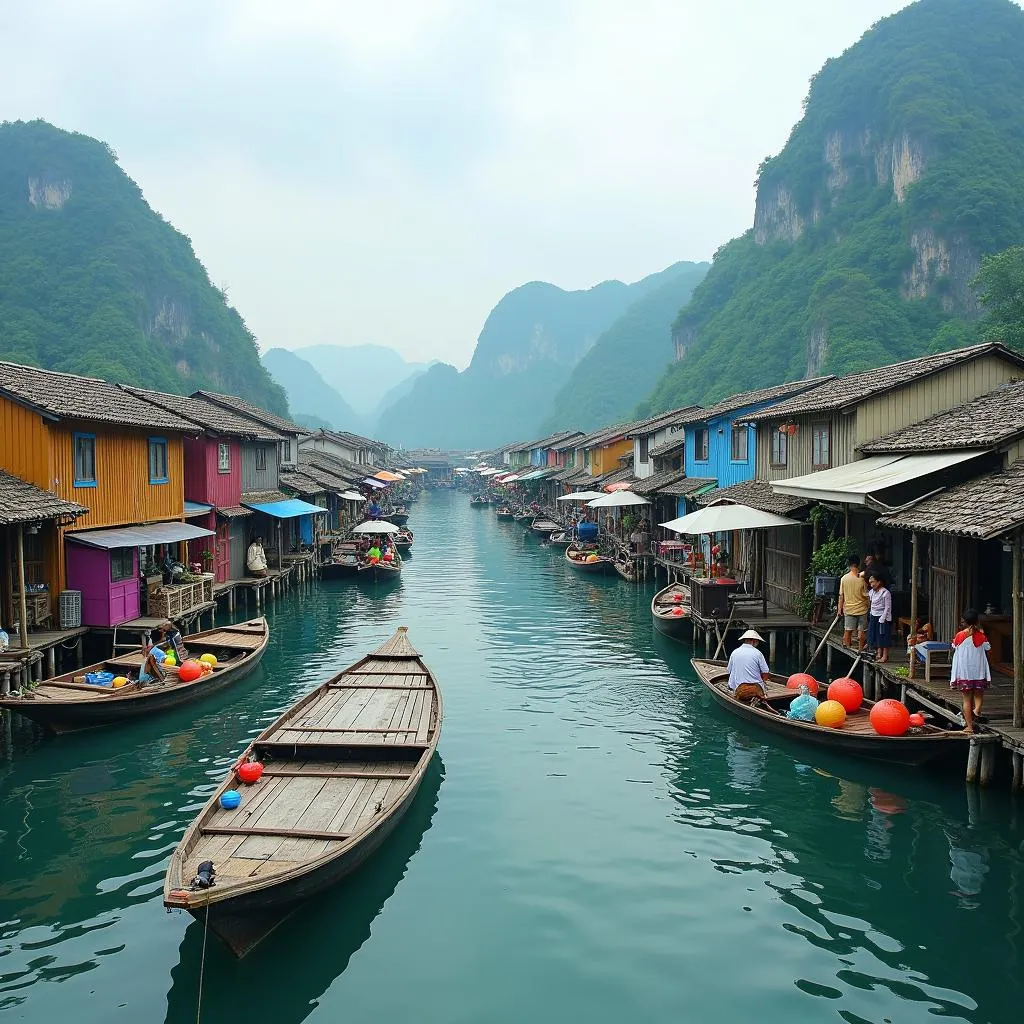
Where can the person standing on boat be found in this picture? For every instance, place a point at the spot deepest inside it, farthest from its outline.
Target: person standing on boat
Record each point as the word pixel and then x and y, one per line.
pixel 853 605
pixel 748 671
pixel 970 672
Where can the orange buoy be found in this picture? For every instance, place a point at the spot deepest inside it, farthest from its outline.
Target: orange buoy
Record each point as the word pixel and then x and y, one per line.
pixel 848 692
pixel 190 671
pixel 890 718
pixel 917 721
pixel 798 679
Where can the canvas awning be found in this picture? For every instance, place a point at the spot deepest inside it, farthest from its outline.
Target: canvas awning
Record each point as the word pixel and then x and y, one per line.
pixel 388 477
pixel 351 496
pixel 725 517
pixel 856 481
pixel 196 508
pixel 618 499
pixel 139 536
pixel 290 509
pixel 373 483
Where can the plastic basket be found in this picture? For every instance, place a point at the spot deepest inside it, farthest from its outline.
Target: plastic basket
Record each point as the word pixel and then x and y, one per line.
pixel 70 609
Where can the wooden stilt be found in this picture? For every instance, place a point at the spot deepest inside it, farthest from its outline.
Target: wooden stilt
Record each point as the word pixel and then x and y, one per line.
pixel 1018 772
pixel 1017 600
pixel 19 535
pixel 828 661
pixel 988 763
pixel 973 760
pixel 773 639
pixel 51 662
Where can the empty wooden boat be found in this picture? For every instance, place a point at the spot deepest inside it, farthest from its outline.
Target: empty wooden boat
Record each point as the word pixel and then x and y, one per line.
pixel 856 736
pixel 587 560
pixel 67 703
pixel 345 559
pixel 544 526
pixel 670 610
pixel 403 540
pixel 560 538
pixel 342 767
pixel 399 516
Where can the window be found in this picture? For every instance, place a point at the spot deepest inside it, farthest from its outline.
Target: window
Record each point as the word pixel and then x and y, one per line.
pixel 158 460
pixel 122 564
pixel 700 444
pixel 644 442
pixel 740 439
pixel 223 458
pixel 261 460
pixel 780 447
pixel 84 448
pixel 677 462
pixel 820 447
pixel 286 451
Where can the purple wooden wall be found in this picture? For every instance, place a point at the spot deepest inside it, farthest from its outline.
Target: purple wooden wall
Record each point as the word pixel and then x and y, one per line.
pixel 104 603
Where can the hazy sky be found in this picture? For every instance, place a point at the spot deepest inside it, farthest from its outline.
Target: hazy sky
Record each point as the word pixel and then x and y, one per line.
pixel 385 171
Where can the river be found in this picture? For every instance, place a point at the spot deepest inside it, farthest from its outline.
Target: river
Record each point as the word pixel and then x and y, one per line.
pixel 594 842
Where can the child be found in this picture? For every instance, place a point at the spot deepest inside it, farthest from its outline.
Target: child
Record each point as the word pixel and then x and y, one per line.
pixel 880 622
pixel 970 672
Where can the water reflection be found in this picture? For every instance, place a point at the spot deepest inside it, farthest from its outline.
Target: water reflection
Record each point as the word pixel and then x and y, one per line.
pixel 268 986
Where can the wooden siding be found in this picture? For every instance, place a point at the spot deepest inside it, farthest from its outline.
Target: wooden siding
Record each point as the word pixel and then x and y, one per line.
pixel 606 458
pixel 719 464
pixel 123 493
pixel 259 480
pixel 799 461
pixel 923 398
pixel 1013 453
pixel 786 553
pixel 25 445
pixel 203 479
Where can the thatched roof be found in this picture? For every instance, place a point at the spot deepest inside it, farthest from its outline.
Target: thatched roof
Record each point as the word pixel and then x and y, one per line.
pixel 22 502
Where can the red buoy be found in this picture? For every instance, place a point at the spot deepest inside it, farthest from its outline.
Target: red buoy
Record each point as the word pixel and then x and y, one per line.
pixel 890 718
pixel 190 671
pixel 250 771
pixel 848 692
pixel 917 721
pixel 798 679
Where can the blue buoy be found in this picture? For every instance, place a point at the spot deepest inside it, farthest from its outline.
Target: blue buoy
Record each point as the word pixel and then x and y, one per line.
pixel 230 800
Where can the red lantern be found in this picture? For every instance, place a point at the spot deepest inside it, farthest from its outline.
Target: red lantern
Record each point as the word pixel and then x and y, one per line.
pixel 890 718
pixel 848 692
pixel 190 671
pixel 250 771
pixel 798 679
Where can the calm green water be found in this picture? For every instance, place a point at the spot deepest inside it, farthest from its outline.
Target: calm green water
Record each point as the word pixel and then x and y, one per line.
pixel 596 841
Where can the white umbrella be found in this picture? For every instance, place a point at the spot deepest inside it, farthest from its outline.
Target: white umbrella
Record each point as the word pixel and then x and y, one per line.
pixel 725 517
pixel 581 496
pixel 618 499
pixel 377 526
pixel 352 496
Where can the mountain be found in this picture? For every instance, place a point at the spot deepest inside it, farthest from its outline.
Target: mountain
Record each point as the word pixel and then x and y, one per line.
pixel 309 395
pixel 94 281
pixel 526 350
pixel 361 374
pixel 906 169
pixel 627 359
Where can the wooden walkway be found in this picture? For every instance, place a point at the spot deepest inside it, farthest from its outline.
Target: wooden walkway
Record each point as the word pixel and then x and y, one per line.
pixel 277 580
pixel 28 661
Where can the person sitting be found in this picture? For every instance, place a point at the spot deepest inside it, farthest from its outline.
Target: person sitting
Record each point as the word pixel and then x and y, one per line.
pixel 373 555
pixel 256 558
pixel 748 671
pixel 152 670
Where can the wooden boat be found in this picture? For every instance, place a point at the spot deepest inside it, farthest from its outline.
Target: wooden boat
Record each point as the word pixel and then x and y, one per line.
pixel 525 517
pixel 342 768
pixel 626 568
pixel 63 705
pixel 505 514
pixel 379 572
pixel 344 562
pixel 856 736
pixel 670 610
pixel 560 538
pixel 478 502
pixel 403 540
pixel 543 526
pixel 399 516
pixel 583 560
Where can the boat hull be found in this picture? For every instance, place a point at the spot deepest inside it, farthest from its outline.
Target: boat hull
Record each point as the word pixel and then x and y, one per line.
pixel 597 568
pixel 676 627
pixel 910 750
pixel 338 570
pixel 399 518
pixel 378 574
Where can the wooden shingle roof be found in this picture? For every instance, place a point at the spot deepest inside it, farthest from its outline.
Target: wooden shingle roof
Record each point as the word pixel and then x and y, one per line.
pixel 211 417
pixel 253 412
pixel 22 502
pixel 734 403
pixel 984 508
pixel 655 482
pixel 757 494
pixel 60 396
pixel 687 486
pixel 845 392
pixel 300 483
pixel 984 422
pixel 668 449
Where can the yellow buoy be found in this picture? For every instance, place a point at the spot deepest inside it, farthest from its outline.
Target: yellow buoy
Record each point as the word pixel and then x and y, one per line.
pixel 119 681
pixel 171 659
pixel 208 659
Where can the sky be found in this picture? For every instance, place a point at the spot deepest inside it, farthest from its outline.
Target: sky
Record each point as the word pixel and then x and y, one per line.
pixel 383 172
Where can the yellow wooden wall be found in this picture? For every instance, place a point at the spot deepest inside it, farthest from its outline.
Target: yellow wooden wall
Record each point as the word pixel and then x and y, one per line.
pixel 606 459
pixel 25 444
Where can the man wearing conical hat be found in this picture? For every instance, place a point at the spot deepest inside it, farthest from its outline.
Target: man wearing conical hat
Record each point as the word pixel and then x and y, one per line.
pixel 748 671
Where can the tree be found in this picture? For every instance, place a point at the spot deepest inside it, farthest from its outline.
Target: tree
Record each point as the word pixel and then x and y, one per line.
pixel 1000 287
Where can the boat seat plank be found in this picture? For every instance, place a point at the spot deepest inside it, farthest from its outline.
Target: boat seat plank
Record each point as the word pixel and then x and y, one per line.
pixel 286 750
pixel 424 722
pixel 270 831
pixel 313 773
pixel 326 816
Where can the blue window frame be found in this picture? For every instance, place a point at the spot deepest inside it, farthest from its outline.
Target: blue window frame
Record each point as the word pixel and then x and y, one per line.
pixel 739 448
pixel 158 460
pixel 83 451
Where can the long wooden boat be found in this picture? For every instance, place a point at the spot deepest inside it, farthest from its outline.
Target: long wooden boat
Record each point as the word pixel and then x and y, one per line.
pixel 505 514
pixel 342 767
pixel 670 610
pixel 560 538
pixel 344 562
pixel 399 516
pixel 63 704
pixel 856 736
pixel 479 502
pixel 379 572
pixel 544 526
pixel 626 568
pixel 587 561
pixel 403 540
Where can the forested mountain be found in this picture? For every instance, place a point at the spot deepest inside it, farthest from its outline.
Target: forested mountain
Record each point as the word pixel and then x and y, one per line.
pixel 906 169
pixel 529 344
pixel 93 281
pixel 627 359
pixel 309 395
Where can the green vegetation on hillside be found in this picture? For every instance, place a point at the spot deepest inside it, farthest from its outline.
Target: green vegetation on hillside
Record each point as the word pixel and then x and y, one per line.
pixel 93 281
pixel 628 358
pixel 936 93
pixel 1000 287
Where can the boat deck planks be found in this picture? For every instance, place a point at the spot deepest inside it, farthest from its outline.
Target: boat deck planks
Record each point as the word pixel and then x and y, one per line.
pixel 311 810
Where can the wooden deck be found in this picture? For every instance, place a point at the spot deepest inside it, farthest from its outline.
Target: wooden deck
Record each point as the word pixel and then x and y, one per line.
pixel 25 663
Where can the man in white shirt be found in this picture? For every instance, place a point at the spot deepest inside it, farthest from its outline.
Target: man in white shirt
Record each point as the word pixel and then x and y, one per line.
pixel 748 671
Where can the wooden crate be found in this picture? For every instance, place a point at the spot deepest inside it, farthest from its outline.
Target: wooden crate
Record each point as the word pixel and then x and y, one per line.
pixel 172 602
pixel 207 585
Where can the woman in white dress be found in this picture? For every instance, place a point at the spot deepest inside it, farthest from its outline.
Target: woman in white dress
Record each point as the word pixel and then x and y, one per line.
pixel 970 672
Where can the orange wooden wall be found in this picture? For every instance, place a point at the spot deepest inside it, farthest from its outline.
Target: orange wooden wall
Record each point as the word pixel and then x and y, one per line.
pixel 24 444
pixel 604 460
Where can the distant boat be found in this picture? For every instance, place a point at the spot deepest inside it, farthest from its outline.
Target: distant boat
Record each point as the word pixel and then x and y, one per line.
pixel 478 501
pixel 561 538
pixel 856 736
pixel 67 703
pixel 626 568
pixel 403 540
pixel 344 562
pixel 342 767
pixel 670 610
pixel 399 516
pixel 587 561
pixel 544 526
pixel 505 514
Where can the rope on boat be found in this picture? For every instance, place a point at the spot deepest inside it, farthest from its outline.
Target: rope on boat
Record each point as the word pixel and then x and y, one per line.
pixel 202 965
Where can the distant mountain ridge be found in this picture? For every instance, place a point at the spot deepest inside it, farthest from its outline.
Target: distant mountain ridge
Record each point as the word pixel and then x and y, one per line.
pixel 526 351
pixel 905 170
pixel 94 281
pixel 309 395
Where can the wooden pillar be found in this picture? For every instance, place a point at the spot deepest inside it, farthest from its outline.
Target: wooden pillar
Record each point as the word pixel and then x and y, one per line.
pixel 22 600
pixel 773 639
pixel 915 562
pixel 764 579
pixel 828 660
pixel 1018 635
pixel 51 662
pixel 973 760
pixel 846 519
pixel 988 763
pixel 1018 771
